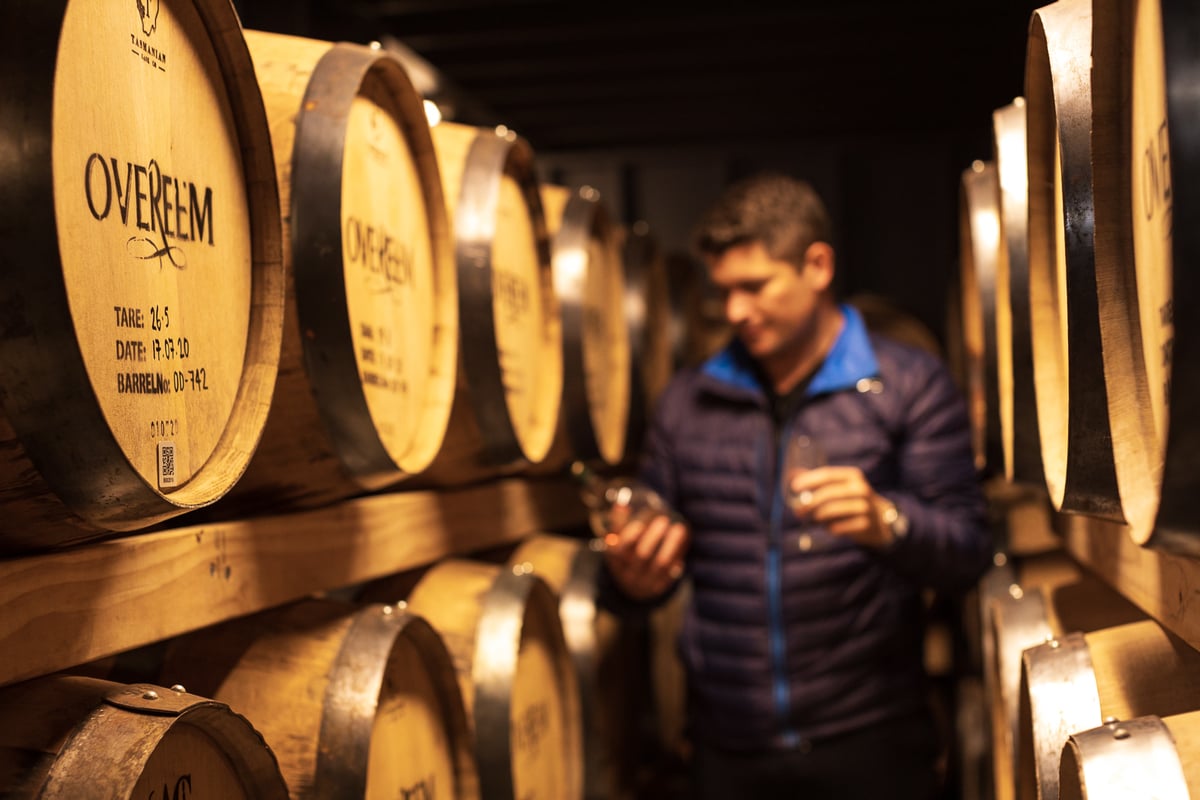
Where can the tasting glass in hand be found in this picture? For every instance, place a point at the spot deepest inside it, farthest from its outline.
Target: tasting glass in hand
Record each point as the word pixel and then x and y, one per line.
pixel 801 454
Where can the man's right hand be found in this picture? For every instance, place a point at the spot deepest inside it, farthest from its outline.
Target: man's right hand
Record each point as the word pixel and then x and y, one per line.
pixel 645 555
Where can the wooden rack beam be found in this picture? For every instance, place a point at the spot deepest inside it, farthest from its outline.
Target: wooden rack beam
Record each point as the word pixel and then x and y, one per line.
pixel 1165 586
pixel 67 608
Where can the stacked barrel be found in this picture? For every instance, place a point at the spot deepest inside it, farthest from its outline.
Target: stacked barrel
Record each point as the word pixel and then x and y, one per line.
pixel 290 290
pixel 248 278
pixel 145 292
pixel 1081 257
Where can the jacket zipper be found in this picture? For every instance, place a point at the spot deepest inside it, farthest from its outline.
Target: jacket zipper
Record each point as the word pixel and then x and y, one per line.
pixel 775 628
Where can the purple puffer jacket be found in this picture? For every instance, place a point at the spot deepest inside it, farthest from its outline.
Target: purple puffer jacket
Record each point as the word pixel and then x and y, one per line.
pixel 785 645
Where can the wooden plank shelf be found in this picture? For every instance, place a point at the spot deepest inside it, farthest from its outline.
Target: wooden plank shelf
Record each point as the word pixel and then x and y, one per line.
pixel 1164 585
pixel 66 608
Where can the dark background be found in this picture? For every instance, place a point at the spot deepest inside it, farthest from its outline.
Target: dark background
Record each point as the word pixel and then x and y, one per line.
pixel 881 105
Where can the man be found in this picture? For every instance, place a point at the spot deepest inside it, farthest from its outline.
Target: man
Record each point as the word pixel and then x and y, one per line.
pixel 803 640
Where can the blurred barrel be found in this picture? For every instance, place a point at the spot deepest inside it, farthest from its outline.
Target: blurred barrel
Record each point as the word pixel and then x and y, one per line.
pixel 355 701
pixel 1148 756
pixel 1074 682
pixel 1049 597
pixel 994 584
pixel 72 737
pixel 1023 518
pixel 1144 171
pixel 367 370
pixel 604 650
pixel 589 283
pixel 655 328
pixel 1181 30
pixel 705 328
pixel 980 644
pixel 508 395
pixel 143 292
pixel 519 686
pixel 979 254
pixel 1019 433
pixel 1072 400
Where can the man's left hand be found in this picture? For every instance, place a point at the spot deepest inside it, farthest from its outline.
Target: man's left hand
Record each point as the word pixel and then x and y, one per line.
pixel 841 499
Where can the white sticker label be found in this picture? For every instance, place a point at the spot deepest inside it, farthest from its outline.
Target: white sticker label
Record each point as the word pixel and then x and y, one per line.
pixel 166 464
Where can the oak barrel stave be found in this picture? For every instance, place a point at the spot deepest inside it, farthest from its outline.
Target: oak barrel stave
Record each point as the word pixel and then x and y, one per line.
pixel 608 659
pixel 589 286
pixel 355 700
pixel 1076 440
pixel 1050 597
pixel 508 393
pixel 116 441
pixel 656 329
pixel 1074 682
pixel 1020 435
pixel 367 367
pixel 979 248
pixel 100 739
pixel 1145 163
pixel 1181 27
pixel 518 683
pixel 596 346
pixel 1150 755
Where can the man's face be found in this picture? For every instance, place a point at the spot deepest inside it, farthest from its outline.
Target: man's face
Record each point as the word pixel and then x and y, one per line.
pixel 770 303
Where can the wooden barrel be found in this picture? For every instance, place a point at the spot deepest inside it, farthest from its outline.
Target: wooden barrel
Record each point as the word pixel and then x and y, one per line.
pixel 1074 682
pixel 355 701
pixel 605 654
pixel 1141 179
pixel 979 254
pixel 589 283
pixel 655 328
pixel 1072 400
pixel 76 737
pixel 1020 437
pixel 1011 624
pixel 1148 756
pixel 367 369
pixel 981 642
pixel 508 395
pixel 706 330
pixel 519 686
pixel 1049 597
pixel 994 584
pixel 1176 511
pixel 1023 518
pixel 144 291
pixel 1019 433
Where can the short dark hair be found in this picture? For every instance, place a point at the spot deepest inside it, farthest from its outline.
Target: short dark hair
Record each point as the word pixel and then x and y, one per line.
pixel 783 213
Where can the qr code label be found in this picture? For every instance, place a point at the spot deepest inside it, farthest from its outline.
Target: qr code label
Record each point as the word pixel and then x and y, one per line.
pixel 166 464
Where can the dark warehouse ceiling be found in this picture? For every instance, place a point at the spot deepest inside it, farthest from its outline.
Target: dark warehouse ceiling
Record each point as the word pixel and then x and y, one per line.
pixel 577 76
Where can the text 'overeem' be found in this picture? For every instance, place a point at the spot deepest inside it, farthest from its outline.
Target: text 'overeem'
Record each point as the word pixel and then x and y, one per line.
pixel 1156 177
pixel 181 791
pixel 147 198
pixel 381 254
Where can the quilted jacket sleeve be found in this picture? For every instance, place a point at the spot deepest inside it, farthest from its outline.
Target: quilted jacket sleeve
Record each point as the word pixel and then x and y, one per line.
pixel 656 469
pixel 948 545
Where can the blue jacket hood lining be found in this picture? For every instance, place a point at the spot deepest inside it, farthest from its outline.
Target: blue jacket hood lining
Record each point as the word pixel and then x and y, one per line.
pixel 849 360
